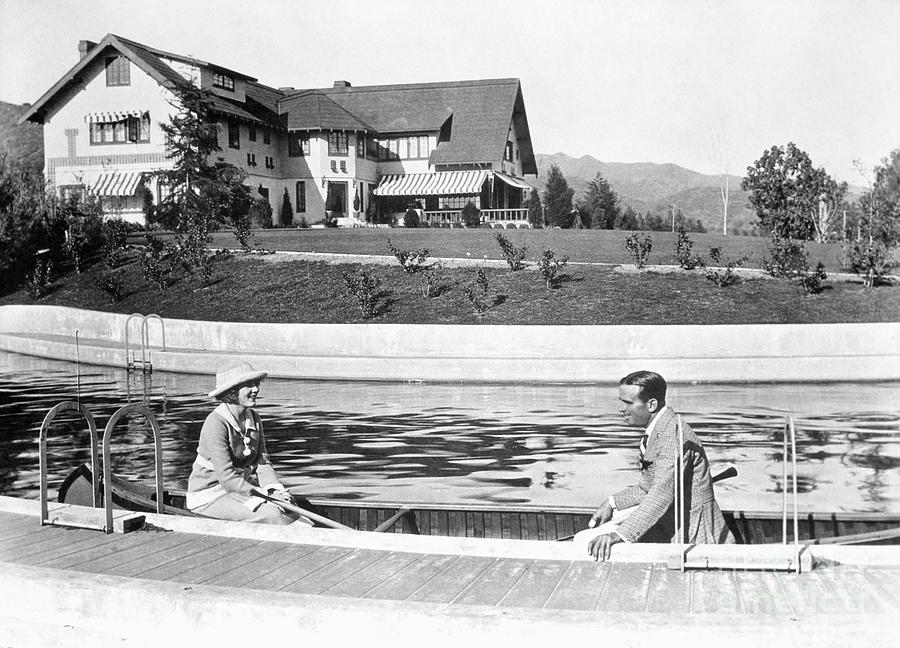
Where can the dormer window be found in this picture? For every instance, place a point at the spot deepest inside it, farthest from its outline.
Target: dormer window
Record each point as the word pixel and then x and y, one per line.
pixel 118 71
pixel 222 81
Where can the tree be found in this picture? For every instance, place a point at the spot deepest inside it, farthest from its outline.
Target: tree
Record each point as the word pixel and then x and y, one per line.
pixel 627 220
pixel 792 198
pixel 558 199
pixel 880 204
pixel 287 210
pixel 535 211
pixel 601 203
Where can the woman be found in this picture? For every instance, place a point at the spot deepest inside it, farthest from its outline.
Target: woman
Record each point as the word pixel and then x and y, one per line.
pixel 231 456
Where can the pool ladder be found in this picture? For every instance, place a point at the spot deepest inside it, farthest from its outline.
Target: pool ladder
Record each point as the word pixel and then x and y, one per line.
pixel 789 559
pixel 145 364
pixel 124 521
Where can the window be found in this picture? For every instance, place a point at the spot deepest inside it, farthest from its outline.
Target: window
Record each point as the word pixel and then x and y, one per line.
pixel 337 143
pixel 118 71
pixel 234 135
pixel 334 166
pixel 508 155
pixel 251 133
pixel 458 202
pixel 298 144
pixel 251 159
pixel 270 162
pixel 222 81
pixel 372 148
pixel 131 129
pixel 360 146
pixel 343 166
pixel 267 137
pixel 301 196
pixel 423 146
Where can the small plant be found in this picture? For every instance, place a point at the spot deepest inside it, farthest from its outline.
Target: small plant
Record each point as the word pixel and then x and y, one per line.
pixel 153 262
pixel 38 282
pixel 639 249
pixel 193 251
pixel 431 286
pixel 243 233
pixel 789 258
pixel 363 287
pixel 514 255
pixel 726 276
pixel 477 292
pixel 871 261
pixel 115 235
pixel 471 215
pixel 549 264
pixel 683 251
pixel 111 284
pixel 411 262
pixel 812 279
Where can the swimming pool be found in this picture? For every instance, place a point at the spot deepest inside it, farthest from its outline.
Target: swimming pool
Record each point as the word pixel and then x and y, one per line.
pixel 456 443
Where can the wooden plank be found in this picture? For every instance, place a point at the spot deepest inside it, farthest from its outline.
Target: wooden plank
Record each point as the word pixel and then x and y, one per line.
pixel 262 566
pixel 443 523
pixel 217 560
pixel 854 591
pixel 237 562
pixel 433 526
pixel 138 566
pixel 669 591
pixel 48 541
pixel 155 544
pixel 35 534
pixel 404 582
pixel 181 563
pixel 886 584
pixel 98 549
pixel 531 526
pixel 626 588
pixel 541 526
pixel 580 587
pixel 335 572
pixel 536 585
pixel 42 552
pixel 298 568
pixel 808 594
pixel 515 526
pixel 450 582
pixel 470 524
pixel 714 592
pixel 754 532
pixel 565 525
pixel 371 576
pixel 551 526
pixel 457 524
pixel 505 525
pixel 492 584
pixel 479 524
pixel 15 525
pixel 488 525
pixel 760 593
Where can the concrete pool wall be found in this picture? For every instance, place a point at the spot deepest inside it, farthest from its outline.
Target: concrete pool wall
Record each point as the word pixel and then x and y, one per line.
pixel 466 353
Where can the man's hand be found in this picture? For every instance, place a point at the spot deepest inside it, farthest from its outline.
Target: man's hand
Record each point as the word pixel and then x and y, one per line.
pixel 602 515
pixel 282 496
pixel 600 546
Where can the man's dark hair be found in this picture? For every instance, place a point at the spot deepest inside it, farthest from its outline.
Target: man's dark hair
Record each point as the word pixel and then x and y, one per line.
pixel 650 384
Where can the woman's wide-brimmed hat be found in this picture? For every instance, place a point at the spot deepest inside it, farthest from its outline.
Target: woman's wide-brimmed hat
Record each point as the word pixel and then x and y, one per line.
pixel 235 376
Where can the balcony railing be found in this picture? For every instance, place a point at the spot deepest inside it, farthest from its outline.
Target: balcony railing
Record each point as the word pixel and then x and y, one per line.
pixel 488 216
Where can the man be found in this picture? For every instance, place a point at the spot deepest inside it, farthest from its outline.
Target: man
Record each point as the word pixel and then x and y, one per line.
pixel 646 512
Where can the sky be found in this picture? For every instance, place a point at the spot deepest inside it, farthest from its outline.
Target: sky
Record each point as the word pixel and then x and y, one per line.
pixel 705 84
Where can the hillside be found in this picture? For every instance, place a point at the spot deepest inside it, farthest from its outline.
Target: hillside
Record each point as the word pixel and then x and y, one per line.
pixel 23 143
pixel 648 186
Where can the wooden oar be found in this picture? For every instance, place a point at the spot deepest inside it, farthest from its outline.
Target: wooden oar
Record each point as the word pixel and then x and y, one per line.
pixel 300 511
pixel 729 472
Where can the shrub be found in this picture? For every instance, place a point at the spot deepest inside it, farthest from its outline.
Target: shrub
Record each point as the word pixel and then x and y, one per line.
pixel 431 286
pixel 550 265
pixel 513 254
pixel 115 236
pixel 154 264
pixel 363 288
pixel 411 262
pixel 639 249
pixel 789 258
pixel 411 218
pixel 38 282
pixel 477 292
pixel 111 284
pixel 871 261
pixel 287 210
pixel 727 276
pixel 192 249
pixel 812 279
pixel 471 215
pixel 683 251
pixel 243 233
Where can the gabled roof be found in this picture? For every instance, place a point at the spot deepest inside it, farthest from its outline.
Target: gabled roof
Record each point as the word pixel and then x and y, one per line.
pixel 313 110
pixel 482 112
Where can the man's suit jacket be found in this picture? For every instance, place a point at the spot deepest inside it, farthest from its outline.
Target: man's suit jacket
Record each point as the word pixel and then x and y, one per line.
pixel 654 518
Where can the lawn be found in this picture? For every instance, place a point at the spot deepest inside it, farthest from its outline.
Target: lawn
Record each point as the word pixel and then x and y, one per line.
pixel 262 288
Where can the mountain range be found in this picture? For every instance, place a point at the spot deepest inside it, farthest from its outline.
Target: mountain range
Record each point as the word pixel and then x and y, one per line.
pixel 644 186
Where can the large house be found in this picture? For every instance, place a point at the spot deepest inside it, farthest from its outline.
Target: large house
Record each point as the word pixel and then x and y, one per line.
pixel 338 150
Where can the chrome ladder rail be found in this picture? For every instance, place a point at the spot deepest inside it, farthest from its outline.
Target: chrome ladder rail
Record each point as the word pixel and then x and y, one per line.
pixel 146 362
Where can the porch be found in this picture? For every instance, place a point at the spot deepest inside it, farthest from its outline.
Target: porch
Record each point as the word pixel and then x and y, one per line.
pixel 495 218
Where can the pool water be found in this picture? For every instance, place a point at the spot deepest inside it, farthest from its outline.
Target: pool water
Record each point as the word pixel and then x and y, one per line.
pixel 457 443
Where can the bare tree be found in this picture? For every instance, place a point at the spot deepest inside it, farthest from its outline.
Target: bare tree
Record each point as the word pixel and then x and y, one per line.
pixel 720 155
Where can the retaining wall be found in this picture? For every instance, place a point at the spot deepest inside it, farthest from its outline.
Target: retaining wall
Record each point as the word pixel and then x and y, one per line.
pixel 479 353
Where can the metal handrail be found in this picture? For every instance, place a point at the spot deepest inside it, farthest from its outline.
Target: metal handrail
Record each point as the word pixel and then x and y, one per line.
pixel 107 464
pixel 127 322
pixel 67 406
pixel 145 338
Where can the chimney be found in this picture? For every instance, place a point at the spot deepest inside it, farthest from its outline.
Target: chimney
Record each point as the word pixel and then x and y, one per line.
pixel 84 47
pixel 340 85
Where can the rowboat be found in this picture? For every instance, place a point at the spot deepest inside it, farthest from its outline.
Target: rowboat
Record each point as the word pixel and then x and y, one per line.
pixel 517 522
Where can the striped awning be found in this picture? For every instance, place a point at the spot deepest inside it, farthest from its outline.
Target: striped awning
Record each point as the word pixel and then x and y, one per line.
pixel 512 181
pixel 116 184
pixel 443 183
pixel 112 117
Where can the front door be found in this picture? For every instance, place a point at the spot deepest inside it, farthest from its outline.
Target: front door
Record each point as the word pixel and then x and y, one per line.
pixel 337 197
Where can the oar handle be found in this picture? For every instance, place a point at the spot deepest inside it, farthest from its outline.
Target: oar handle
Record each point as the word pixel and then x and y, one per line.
pixel 728 473
pixel 300 511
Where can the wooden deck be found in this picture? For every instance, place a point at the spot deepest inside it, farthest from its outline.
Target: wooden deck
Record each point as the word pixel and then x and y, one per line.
pixel 187 558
